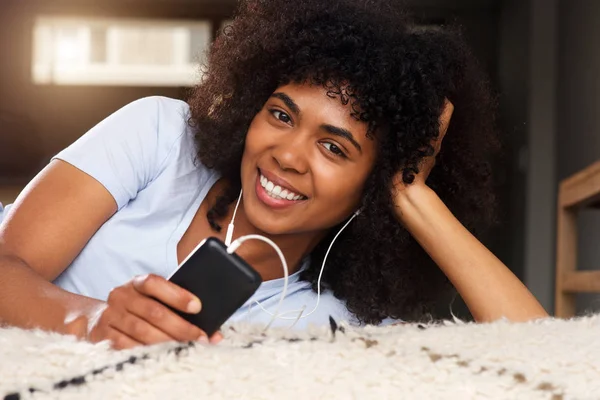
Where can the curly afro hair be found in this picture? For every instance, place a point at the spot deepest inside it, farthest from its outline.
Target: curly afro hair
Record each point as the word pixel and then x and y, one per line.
pixel 396 77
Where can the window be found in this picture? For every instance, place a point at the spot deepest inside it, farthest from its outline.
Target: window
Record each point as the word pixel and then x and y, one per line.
pixel 124 52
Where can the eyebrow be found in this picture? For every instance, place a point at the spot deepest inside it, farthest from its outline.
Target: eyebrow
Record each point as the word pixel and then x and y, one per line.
pixel 346 134
pixel 288 102
pixel 334 130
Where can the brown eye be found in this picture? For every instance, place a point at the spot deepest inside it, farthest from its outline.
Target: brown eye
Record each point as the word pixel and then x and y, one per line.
pixel 280 115
pixel 334 149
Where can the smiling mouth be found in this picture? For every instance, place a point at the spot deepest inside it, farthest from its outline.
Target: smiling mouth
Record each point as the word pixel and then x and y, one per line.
pixel 279 193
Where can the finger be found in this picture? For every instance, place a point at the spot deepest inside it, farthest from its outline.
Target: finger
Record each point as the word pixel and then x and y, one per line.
pixel 121 341
pixel 139 330
pixel 163 319
pixel 117 317
pixel 445 118
pixel 444 123
pixel 216 338
pixel 167 292
pixel 118 340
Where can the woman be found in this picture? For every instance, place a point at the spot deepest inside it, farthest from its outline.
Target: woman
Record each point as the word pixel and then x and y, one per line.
pixel 316 110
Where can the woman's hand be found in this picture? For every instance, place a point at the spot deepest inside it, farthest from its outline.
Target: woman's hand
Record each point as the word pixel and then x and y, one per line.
pixel 399 187
pixel 488 287
pixel 132 316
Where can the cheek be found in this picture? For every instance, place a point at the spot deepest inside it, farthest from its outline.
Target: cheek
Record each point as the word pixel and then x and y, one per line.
pixel 340 189
pixel 258 138
pixel 252 144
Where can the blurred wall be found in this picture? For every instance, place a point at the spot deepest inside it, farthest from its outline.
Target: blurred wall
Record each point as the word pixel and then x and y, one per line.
pixel 549 79
pixel 528 58
pixel 578 117
pixel 541 187
pixel 513 61
pixel 43 119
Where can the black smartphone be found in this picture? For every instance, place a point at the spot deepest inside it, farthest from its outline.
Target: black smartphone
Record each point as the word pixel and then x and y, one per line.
pixel 223 282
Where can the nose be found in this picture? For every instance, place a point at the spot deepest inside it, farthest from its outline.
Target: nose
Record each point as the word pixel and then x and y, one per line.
pixel 292 155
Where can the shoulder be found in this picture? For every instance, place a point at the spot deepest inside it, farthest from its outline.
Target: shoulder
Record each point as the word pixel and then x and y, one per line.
pixel 163 113
pixel 170 119
pixel 149 119
pixel 157 126
pixel 134 146
pixel 158 105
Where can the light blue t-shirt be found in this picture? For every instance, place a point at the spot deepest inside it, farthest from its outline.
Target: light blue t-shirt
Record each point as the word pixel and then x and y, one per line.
pixel 145 156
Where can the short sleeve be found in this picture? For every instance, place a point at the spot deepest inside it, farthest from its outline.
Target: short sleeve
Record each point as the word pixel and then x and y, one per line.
pixel 129 149
pixel 2 212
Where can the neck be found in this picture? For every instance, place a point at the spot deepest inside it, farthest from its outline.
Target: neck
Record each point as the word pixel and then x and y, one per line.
pixel 263 257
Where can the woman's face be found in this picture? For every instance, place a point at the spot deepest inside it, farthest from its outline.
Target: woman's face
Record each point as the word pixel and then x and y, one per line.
pixel 305 162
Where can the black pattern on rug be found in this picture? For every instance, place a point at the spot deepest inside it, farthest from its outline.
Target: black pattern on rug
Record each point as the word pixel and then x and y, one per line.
pixel 182 349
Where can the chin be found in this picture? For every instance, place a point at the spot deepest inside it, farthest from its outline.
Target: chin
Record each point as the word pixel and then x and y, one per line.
pixel 267 224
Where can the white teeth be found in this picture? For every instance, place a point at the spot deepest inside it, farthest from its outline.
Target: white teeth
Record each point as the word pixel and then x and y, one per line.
pixel 276 191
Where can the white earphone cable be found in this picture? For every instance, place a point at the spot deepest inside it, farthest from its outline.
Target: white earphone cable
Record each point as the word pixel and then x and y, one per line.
pixel 238 242
pixel 229 234
pixel 275 315
pixel 232 247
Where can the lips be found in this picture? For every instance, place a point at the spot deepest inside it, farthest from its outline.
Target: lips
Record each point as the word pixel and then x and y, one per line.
pixel 276 193
pixel 278 188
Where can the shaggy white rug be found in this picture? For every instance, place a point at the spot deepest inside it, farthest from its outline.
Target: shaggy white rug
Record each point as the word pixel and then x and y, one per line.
pixel 550 359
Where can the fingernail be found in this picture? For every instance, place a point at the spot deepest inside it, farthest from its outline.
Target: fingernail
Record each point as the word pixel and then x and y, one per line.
pixel 217 339
pixel 203 339
pixel 194 306
pixel 138 280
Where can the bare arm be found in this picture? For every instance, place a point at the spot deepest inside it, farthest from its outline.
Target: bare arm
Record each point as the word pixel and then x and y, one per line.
pixel 50 223
pixel 488 287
